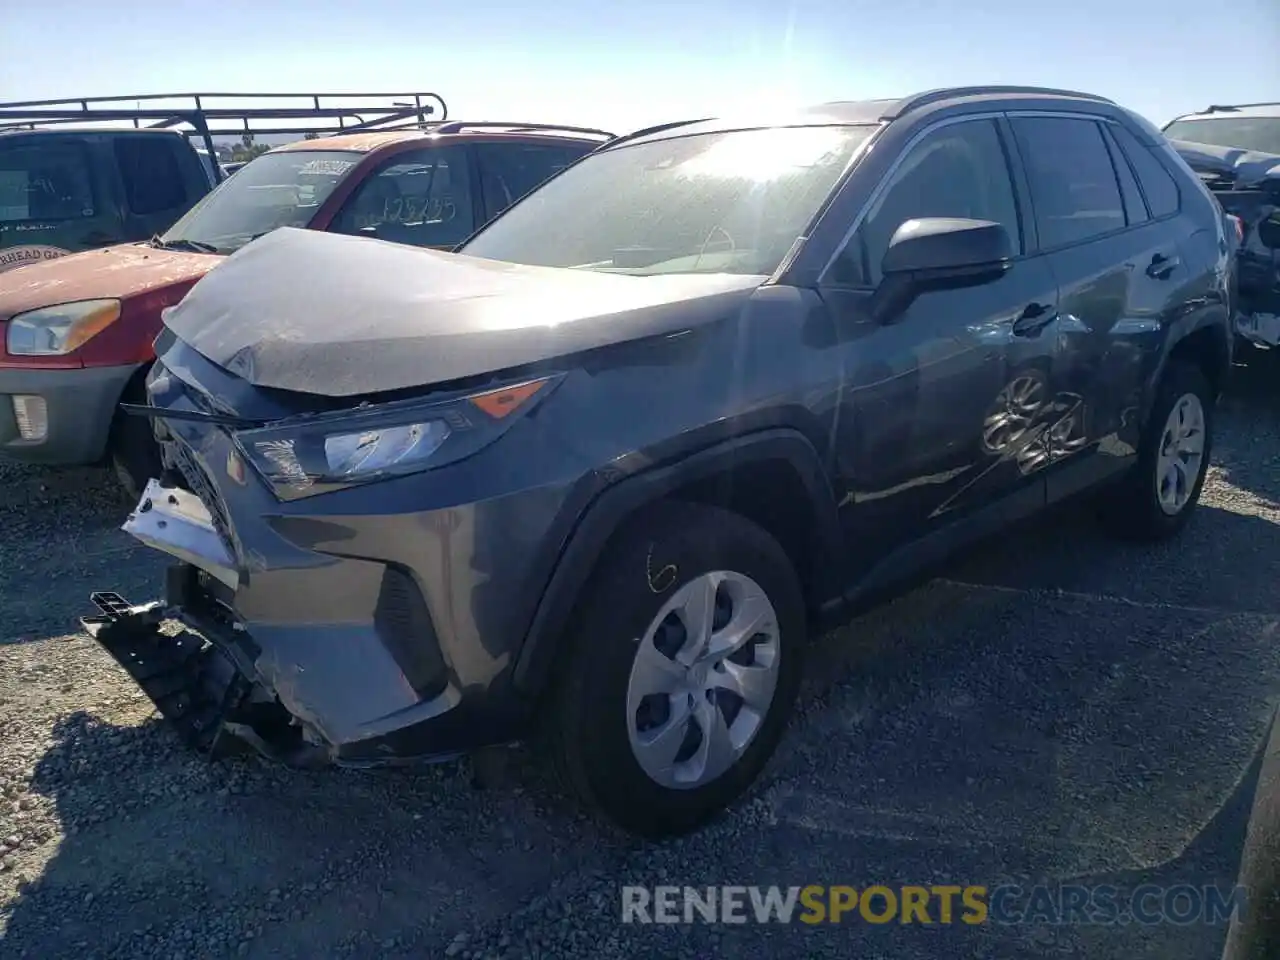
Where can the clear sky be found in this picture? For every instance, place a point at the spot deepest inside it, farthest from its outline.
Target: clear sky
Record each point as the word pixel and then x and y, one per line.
pixel 623 65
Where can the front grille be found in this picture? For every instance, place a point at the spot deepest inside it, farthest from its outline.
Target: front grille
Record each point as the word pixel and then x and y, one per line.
pixel 177 455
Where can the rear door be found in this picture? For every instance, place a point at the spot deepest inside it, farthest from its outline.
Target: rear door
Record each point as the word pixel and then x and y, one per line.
pixel 156 182
pixel 53 200
pixel 1119 269
pixel 510 169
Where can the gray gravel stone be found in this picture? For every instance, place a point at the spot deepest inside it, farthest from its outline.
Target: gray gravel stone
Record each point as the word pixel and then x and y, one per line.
pixel 1053 705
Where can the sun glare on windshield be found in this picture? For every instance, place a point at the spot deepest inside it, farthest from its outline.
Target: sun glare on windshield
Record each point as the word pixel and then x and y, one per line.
pixel 767 156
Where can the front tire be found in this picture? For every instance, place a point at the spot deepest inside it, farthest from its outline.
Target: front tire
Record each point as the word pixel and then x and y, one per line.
pixel 682 669
pixel 133 450
pixel 1157 498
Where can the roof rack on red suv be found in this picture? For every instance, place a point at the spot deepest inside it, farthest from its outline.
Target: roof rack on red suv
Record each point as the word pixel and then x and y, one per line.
pixel 207 117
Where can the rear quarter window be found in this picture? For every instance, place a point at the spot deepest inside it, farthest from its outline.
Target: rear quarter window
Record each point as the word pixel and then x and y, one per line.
pixel 42 179
pixel 1158 185
pixel 1135 208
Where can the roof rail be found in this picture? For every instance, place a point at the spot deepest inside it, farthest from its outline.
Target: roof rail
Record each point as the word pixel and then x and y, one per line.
pixel 656 128
pixel 918 100
pixel 1228 107
pixel 206 119
pixel 460 126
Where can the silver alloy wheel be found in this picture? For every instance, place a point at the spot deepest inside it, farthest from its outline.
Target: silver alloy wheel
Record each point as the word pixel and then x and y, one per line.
pixel 703 678
pixel 1181 453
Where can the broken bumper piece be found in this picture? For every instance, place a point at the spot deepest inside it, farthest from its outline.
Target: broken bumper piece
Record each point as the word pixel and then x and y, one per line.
pixel 195 684
pixel 176 522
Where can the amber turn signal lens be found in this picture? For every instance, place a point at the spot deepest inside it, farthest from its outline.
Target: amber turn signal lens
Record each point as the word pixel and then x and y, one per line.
pixel 498 403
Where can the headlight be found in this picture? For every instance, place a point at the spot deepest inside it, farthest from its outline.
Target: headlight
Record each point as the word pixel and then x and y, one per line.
pixel 315 454
pixel 53 331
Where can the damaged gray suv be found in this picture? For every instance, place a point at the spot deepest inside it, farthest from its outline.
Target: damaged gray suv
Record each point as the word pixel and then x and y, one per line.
pixel 595 478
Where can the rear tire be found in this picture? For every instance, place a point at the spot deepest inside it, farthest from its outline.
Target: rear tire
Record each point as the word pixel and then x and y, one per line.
pixel 1161 491
pixel 607 734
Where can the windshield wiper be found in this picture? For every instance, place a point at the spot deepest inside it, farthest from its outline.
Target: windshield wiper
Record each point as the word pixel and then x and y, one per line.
pixel 195 246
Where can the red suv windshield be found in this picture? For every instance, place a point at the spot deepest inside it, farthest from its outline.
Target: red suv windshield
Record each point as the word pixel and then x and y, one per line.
pixel 276 190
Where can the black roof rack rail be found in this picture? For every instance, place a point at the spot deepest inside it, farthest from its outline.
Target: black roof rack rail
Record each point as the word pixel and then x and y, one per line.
pixel 208 119
pixel 459 126
pixel 1228 107
pixel 918 100
pixel 656 128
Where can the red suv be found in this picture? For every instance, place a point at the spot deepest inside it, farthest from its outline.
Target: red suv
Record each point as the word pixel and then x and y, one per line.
pixel 76 333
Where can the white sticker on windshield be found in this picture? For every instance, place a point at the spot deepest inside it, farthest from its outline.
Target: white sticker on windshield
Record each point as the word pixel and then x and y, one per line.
pixel 329 168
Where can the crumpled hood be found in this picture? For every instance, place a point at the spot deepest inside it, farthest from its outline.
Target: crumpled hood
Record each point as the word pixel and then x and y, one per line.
pixel 334 315
pixel 121 271
pixel 1247 168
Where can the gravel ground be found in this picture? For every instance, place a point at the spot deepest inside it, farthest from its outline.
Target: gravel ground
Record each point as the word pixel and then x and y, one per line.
pixel 1054 707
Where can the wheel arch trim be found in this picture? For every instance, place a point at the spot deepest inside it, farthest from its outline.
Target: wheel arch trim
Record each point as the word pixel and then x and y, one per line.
pixel 609 509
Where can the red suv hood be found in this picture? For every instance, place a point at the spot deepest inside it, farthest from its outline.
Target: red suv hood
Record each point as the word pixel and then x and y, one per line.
pixel 120 272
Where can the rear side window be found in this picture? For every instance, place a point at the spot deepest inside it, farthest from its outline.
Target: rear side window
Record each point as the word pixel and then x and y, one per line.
pixel 42 179
pixel 959 170
pixel 422 198
pixel 1073 185
pixel 510 170
pixel 1158 185
pixel 151 175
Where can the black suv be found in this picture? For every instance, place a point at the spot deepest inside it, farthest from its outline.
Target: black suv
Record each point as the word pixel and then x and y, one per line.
pixel 711 385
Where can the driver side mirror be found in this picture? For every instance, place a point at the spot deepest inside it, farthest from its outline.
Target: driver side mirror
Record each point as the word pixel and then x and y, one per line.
pixel 939 253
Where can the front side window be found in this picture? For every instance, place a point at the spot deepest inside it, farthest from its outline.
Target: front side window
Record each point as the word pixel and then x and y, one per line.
pixel 733 202
pixel 42 179
pixel 150 173
pixel 422 198
pixel 1074 189
pixel 510 170
pixel 959 170
pixel 1242 133
pixel 282 189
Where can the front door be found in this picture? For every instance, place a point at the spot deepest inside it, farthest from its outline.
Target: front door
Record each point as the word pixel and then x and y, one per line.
pixel 940 406
pixel 424 197
pixel 510 169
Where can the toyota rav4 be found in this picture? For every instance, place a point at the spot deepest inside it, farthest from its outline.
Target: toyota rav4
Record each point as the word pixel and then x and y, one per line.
pixel 598 476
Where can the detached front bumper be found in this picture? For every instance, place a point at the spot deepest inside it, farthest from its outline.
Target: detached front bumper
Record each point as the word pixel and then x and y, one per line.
pixel 196 684
pixel 197 667
pixel 221 686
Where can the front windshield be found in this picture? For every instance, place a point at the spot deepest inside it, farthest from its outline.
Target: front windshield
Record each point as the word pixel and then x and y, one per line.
pixel 1242 133
pixel 709 203
pixel 275 190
